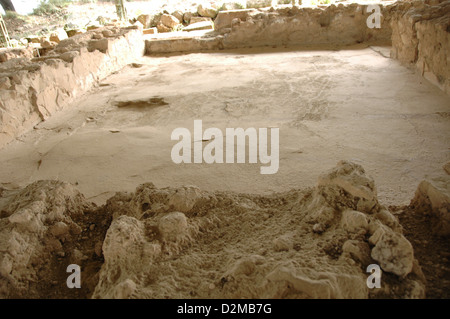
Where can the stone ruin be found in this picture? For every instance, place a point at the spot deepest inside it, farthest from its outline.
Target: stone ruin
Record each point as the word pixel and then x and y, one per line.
pixel 33 88
pixel 188 243
pixel 311 243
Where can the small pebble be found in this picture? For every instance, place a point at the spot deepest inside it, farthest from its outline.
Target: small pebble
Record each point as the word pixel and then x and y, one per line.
pixel 98 249
pixel 318 228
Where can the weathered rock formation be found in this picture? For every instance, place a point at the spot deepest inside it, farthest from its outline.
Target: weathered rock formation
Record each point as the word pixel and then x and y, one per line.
pixel 188 243
pixel 421 36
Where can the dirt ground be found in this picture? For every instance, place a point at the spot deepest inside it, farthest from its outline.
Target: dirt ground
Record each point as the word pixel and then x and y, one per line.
pixel 431 250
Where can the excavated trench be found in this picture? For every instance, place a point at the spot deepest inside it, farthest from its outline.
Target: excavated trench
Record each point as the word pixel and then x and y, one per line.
pixel 105 126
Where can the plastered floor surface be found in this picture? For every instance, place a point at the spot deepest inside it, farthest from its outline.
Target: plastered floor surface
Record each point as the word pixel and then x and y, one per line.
pixel 355 104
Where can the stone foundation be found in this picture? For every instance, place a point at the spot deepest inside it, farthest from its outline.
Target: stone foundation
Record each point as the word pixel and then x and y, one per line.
pixel 31 90
pixel 421 37
pixel 329 25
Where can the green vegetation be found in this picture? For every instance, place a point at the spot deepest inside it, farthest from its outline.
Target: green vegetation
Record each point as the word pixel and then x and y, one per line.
pixel 48 7
pixel 12 15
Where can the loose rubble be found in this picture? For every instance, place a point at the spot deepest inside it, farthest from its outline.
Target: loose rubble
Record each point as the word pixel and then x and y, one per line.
pixel 433 199
pixel 189 243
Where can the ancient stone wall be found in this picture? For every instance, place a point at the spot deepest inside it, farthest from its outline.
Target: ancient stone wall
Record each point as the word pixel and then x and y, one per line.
pixel 327 25
pixel 421 36
pixel 330 25
pixel 31 90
